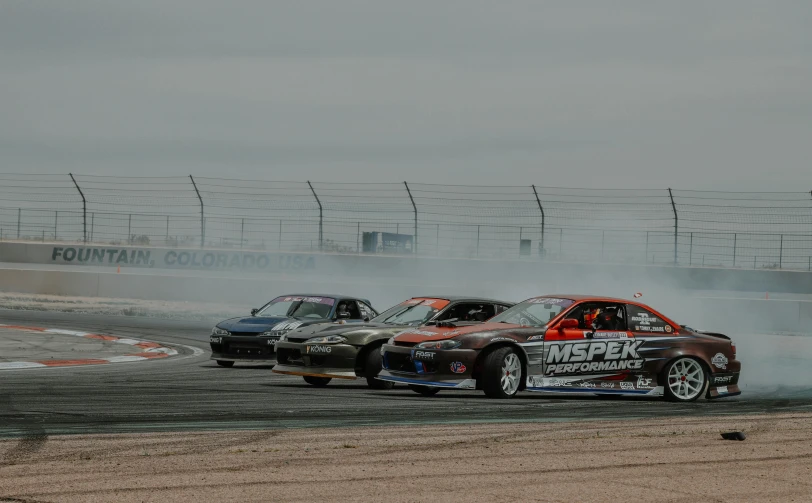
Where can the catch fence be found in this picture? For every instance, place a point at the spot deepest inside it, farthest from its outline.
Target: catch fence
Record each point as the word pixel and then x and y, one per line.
pixel 658 226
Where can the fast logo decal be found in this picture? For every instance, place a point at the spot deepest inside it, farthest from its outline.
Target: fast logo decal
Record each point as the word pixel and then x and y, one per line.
pixel 722 379
pixel 719 361
pixel 593 357
pixel 424 355
pixel 458 367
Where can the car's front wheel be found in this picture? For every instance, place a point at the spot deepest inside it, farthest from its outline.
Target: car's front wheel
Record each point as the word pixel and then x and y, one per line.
pixel 424 390
pixel 225 363
pixel 502 373
pixel 685 380
pixel 319 382
pixel 372 367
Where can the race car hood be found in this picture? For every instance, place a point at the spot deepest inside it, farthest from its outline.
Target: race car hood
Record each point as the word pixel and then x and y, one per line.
pixel 259 324
pixel 326 329
pixel 423 334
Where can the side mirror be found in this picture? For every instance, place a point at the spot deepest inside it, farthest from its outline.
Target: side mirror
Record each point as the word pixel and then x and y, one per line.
pixel 366 319
pixel 568 323
pixel 254 312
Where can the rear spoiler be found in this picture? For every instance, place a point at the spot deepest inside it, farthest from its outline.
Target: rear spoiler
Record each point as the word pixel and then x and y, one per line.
pixel 713 334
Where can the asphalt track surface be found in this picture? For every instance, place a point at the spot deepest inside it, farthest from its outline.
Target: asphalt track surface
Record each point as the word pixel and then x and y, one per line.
pixel 190 392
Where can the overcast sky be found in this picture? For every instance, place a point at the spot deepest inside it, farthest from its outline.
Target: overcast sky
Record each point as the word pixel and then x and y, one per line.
pixel 709 95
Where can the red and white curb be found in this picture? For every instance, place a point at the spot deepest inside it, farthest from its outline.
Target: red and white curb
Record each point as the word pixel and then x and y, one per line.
pixel 148 350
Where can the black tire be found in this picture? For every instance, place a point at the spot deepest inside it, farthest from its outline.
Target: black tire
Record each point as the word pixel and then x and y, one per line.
pixel 372 368
pixel 492 373
pixel 318 382
pixel 679 396
pixel 225 363
pixel 424 390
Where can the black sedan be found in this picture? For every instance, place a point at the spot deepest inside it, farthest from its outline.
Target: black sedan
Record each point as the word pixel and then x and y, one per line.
pixel 254 338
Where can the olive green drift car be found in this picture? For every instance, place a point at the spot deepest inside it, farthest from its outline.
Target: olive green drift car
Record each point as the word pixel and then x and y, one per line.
pixel 320 353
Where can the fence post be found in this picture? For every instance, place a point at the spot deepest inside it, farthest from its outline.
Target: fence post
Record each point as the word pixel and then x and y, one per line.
pixel 358 238
pixel 56 223
pixel 84 207
pixel 130 228
pixel 202 218
pixel 477 241
pixel 242 231
pixel 781 252
pixel 734 248
pixel 541 209
pixel 279 246
pixel 321 216
pixel 691 252
pixel 19 221
pixel 647 247
pixel 167 230
pixel 676 223
pixel 408 191
pixel 92 224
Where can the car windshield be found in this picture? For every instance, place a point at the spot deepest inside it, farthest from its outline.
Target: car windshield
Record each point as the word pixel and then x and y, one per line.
pixel 298 307
pixel 412 312
pixel 534 312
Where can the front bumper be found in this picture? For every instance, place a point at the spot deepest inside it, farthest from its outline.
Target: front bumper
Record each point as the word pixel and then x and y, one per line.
pixel 318 360
pixel 243 348
pixel 446 368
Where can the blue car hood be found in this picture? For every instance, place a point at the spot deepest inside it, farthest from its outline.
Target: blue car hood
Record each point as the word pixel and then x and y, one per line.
pixel 253 324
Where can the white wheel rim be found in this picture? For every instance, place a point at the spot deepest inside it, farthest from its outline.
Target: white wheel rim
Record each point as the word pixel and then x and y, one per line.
pixel 686 379
pixel 511 373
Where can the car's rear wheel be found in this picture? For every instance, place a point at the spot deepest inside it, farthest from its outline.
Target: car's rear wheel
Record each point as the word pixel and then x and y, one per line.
pixel 424 390
pixel 502 373
pixel 225 363
pixel 319 382
pixel 685 380
pixel 372 367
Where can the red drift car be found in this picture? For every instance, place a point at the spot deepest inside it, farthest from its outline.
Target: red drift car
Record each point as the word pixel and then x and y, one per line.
pixel 567 344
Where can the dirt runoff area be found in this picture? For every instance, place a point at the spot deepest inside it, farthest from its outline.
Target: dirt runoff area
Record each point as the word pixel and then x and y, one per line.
pixel 668 460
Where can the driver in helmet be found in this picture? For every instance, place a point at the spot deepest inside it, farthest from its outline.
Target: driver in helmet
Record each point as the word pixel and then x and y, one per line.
pixel 607 320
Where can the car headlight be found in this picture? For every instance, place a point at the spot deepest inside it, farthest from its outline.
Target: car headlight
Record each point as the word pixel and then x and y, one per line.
pixel 330 339
pixel 218 331
pixel 446 344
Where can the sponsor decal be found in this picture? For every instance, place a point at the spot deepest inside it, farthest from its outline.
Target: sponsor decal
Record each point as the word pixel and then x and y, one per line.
pixel 606 335
pixel 458 367
pixel 598 356
pixel 722 379
pixel 645 328
pixel 286 325
pixel 313 350
pixel 428 302
pixel 609 385
pixel 722 390
pixel 643 382
pixel 587 384
pixel 719 361
pixel 626 385
pixel 668 329
pixel 216 340
pixel 272 341
pixel 423 355
pixel 497 339
pixel 536 337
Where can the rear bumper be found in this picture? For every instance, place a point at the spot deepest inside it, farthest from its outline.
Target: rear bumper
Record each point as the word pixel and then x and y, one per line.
pixel 318 360
pixel 725 384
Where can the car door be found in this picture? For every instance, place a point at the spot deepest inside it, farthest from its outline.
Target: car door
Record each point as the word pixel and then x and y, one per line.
pixel 587 352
